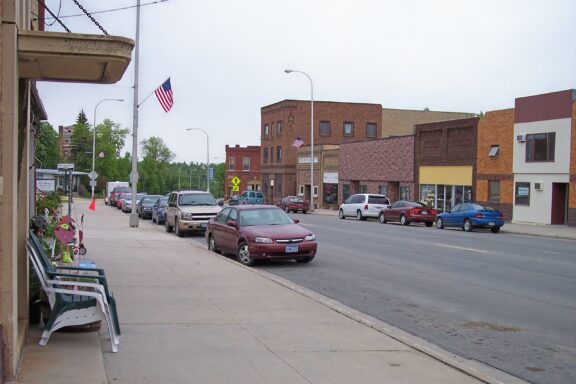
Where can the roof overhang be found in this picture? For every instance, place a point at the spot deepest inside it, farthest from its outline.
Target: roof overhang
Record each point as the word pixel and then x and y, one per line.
pixel 73 57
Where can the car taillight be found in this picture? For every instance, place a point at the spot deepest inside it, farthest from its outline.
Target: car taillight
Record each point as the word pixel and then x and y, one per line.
pixel 413 211
pixel 501 216
pixel 478 215
pixel 366 207
pixel 433 212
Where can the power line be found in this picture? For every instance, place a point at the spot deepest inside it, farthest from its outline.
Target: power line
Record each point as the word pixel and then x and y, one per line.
pixel 111 10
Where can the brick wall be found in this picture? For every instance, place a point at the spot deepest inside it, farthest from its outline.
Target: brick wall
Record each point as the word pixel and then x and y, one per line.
pixel 388 162
pixel 572 185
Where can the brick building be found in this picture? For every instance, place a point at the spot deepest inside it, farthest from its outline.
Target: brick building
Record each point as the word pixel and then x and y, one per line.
pixel 494 180
pixel 572 188
pixel 401 122
pixel 383 166
pixel 65 141
pixel 445 162
pixel 242 163
pixel 283 122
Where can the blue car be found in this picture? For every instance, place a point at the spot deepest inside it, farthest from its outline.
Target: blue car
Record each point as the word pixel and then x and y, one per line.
pixel 159 210
pixel 471 215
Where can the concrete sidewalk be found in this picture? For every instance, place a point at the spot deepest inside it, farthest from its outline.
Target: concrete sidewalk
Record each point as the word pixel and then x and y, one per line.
pixel 191 316
pixel 556 231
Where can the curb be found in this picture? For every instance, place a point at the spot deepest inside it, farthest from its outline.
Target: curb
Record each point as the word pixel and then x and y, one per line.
pixel 473 368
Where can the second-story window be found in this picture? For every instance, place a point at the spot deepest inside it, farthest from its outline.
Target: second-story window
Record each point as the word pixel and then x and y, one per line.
pixel 540 147
pixel 324 128
pixel 370 129
pixel 246 164
pixel 348 129
pixel 265 131
pixel 279 125
pixel 279 153
pixel 265 155
pixel 231 164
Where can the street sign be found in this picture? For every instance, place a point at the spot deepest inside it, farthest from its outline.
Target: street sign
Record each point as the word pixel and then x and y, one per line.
pixel 235 188
pixel 64 166
pixel 235 180
pixel 93 183
pixel 211 173
pixel 93 175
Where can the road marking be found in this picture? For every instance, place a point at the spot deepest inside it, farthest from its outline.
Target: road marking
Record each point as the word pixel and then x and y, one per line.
pixel 461 248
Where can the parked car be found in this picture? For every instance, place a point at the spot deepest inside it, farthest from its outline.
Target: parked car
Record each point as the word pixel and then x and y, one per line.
pixel 144 206
pixel 363 205
pixel 120 199
pixel 116 192
pixel 127 202
pixel 159 210
pixel 189 211
pixel 251 197
pixel 293 204
pixel 471 215
pixel 255 232
pixel 407 212
pixel 233 200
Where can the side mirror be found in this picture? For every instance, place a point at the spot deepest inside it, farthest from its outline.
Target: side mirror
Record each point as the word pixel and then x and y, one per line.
pixel 231 223
pixel 220 203
pixel 172 204
pixel 296 221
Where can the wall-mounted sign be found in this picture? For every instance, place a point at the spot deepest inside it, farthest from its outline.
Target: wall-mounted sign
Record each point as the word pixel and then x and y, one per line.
pixel 523 191
pixel 330 178
pixel 306 159
pixel 46 185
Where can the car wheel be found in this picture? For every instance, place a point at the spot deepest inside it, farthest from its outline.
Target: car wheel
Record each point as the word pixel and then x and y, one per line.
pixel 439 223
pixel 304 212
pixel 177 229
pixel 212 244
pixel 467 226
pixel 403 220
pixel 359 215
pixel 153 220
pixel 304 260
pixel 429 224
pixel 382 218
pixel 168 228
pixel 341 214
pixel 243 254
pixel 287 210
pixel 495 229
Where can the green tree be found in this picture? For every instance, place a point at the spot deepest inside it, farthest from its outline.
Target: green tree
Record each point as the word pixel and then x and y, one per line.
pixel 47 153
pixel 110 139
pixel 154 165
pixel 82 144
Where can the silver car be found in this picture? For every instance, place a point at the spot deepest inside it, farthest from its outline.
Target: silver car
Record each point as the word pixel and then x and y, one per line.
pixel 363 205
pixel 189 211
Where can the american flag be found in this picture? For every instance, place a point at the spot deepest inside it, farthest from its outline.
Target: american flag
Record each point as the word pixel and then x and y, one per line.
pixel 298 142
pixel 164 95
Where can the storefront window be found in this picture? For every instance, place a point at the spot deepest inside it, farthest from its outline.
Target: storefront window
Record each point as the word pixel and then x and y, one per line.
pixel 363 188
pixel 345 191
pixel 330 193
pixel 428 194
pixel 383 190
pixel 404 192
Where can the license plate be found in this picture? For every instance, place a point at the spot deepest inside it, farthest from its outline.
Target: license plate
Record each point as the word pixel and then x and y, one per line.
pixel 291 248
pixel 203 225
pixel 424 212
pixel 491 224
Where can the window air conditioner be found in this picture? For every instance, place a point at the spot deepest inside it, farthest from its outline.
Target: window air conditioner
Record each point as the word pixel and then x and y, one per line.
pixel 521 138
pixel 538 186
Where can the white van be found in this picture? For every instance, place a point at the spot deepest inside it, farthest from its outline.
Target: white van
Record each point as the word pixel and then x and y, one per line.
pixel 363 205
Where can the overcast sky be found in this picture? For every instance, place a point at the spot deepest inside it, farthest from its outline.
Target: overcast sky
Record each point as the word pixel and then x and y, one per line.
pixel 226 60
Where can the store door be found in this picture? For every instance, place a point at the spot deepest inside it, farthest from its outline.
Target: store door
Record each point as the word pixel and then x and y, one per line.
pixel 559 197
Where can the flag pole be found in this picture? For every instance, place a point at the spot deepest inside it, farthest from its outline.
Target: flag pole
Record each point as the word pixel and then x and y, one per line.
pixel 134 175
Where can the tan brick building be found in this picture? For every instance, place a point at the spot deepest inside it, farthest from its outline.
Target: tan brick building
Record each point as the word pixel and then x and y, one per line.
pixel 494 180
pixel 400 122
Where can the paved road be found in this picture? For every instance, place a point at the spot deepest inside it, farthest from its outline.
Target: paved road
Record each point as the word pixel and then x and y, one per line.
pixel 505 300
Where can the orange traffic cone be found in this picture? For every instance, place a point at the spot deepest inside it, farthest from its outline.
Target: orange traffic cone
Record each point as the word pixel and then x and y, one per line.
pixel 92 205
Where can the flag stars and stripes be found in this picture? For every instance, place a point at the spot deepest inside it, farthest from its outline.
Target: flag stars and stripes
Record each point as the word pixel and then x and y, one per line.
pixel 164 95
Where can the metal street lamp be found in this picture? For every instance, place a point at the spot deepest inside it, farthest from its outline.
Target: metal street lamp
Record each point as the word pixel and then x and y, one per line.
pixel 181 165
pixel 207 156
pixel 311 135
pixel 93 181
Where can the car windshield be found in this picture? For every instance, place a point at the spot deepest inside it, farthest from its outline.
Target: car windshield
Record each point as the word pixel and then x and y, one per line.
pixel 163 201
pixel 271 216
pixel 149 199
pixel 196 199
pixel 296 199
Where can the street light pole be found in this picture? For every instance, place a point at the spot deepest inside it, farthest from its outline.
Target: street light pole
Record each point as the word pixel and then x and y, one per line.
pixel 311 135
pixel 181 165
pixel 207 156
pixel 93 182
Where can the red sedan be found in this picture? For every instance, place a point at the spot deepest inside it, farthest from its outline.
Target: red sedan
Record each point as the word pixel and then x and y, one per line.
pixel 255 232
pixel 407 212
pixel 293 204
